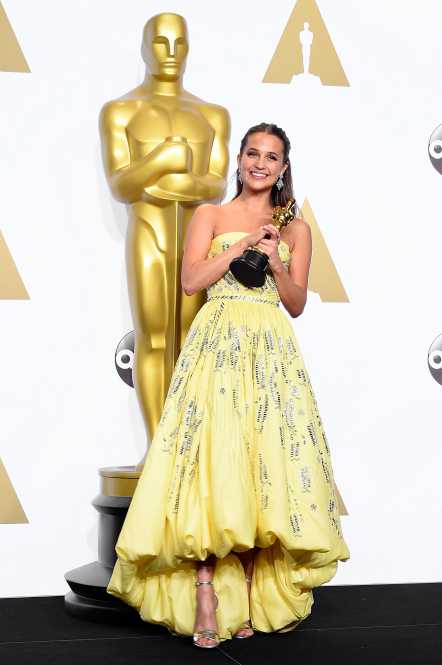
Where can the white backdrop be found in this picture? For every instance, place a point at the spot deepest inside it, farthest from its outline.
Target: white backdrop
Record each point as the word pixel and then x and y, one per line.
pixel 359 155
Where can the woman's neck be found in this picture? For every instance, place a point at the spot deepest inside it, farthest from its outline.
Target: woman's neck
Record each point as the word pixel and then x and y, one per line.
pixel 256 203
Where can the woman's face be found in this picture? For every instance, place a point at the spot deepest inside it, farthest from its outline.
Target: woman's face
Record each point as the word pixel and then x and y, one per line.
pixel 261 161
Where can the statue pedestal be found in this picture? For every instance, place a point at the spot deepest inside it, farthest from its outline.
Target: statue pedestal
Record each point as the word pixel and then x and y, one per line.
pixel 88 597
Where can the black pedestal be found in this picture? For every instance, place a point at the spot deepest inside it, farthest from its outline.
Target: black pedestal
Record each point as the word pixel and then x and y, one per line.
pixel 88 597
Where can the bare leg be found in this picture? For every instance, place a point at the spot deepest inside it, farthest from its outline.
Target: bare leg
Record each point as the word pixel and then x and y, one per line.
pixel 205 598
pixel 247 559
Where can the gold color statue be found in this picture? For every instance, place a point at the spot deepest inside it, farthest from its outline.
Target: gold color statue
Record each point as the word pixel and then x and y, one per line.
pixel 250 268
pixel 165 152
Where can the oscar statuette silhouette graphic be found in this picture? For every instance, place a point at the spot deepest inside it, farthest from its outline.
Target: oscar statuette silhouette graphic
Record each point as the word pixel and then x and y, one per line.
pixel 165 152
pixel 306 37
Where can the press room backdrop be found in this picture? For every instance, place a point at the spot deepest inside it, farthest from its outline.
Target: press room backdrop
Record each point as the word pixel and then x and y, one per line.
pixel 370 186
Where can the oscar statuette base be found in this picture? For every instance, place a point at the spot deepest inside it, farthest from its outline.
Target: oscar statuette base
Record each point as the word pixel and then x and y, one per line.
pixel 88 597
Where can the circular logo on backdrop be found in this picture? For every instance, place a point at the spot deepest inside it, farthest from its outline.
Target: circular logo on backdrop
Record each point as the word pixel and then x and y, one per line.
pixel 124 358
pixel 435 148
pixel 435 359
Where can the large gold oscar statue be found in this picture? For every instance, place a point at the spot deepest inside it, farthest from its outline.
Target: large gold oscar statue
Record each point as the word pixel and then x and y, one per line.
pixel 165 152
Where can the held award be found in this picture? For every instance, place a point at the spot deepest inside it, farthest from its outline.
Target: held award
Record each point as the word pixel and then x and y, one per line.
pixel 249 269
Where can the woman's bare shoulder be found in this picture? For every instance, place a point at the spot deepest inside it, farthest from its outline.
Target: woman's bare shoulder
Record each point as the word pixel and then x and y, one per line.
pixel 228 210
pixel 295 231
pixel 205 214
pixel 207 209
pixel 217 215
pixel 298 225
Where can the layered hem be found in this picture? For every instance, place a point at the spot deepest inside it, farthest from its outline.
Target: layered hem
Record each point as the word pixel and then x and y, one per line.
pixel 281 592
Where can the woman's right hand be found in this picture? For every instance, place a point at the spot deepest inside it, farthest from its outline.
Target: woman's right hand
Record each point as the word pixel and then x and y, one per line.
pixel 254 238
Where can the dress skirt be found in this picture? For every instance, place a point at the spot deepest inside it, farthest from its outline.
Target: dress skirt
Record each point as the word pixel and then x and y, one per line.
pixel 239 459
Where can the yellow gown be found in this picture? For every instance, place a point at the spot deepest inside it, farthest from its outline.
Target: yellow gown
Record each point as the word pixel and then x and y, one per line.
pixel 239 459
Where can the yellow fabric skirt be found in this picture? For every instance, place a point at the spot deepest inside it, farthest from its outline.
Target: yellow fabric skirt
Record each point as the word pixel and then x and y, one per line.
pixel 240 459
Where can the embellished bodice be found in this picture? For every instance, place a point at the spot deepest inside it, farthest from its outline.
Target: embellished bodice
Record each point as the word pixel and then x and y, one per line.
pixel 227 287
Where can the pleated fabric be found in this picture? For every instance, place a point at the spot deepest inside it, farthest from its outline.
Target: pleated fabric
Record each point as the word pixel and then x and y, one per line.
pixel 240 459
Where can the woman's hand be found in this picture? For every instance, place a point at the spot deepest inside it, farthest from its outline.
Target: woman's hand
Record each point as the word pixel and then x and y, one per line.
pixel 268 246
pixel 253 238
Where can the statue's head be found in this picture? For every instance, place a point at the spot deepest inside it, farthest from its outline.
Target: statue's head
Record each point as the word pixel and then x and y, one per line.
pixel 165 46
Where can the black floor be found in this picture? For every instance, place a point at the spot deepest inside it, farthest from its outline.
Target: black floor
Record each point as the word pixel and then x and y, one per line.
pixel 394 624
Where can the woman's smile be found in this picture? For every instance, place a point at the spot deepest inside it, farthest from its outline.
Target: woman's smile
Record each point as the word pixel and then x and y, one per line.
pixel 259 175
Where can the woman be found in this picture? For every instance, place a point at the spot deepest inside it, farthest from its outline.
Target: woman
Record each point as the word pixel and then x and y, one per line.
pixel 237 494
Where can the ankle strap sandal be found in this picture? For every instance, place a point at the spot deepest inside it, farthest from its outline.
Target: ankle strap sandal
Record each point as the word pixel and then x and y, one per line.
pixel 206 633
pixel 246 625
pixel 198 583
pixel 210 583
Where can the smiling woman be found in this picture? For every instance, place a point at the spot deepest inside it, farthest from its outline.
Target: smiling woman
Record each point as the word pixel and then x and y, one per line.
pixel 261 159
pixel 237 496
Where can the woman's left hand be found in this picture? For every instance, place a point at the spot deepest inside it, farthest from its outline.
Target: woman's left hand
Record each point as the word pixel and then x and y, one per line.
pixel 270 247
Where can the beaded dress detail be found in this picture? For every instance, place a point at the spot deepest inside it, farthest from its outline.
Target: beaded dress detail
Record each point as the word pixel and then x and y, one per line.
pixel 239 459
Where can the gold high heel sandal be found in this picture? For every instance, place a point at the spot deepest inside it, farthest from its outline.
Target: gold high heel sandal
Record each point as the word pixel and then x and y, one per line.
pixel 207 633
pixel 246 625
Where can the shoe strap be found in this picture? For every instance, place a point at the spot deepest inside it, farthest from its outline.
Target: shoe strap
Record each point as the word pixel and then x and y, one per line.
pixel 207 633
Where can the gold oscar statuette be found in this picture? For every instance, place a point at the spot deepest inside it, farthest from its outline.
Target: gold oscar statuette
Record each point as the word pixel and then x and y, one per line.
pixel 250 268
pixel 165 152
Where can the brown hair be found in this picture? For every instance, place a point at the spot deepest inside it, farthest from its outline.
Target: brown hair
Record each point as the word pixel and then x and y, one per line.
pixel 278 197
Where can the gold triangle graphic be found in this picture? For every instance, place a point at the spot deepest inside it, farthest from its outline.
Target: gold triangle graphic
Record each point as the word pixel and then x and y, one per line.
pixel 11 285
pixel 287 59
pixel 11 55
pixel 11 511
pixel 342 510
pixel 323 277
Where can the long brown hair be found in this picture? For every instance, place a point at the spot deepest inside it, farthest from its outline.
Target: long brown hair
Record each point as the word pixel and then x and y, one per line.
pixel 278 197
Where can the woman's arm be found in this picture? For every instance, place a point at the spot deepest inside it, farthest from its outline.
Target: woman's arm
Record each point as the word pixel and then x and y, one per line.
pixel 292 283
pixel 198 272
